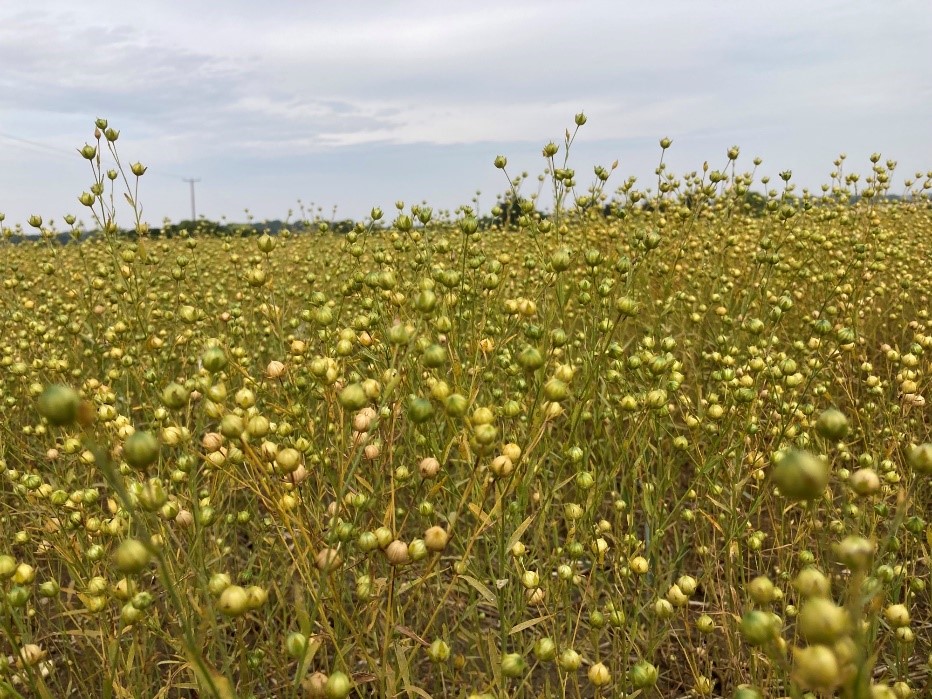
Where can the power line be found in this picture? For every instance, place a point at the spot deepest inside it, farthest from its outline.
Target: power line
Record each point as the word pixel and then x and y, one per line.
pixel 51 150
pixel 65 153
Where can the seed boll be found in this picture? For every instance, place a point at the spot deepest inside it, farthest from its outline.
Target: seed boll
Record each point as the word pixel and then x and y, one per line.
pixel 513 665
pixel 501 466
pixel 801 475
pixel 639 565
pixel 761 590
pixel 705 624
pixel 687 584
pixel 820 620
pixel 131 557
pixel 897 615
pixel 420 410
pixel 832 424
pixel 456 405
pixel 353 397
pixel 288 460
pixel 811 582
pixel 556 390
pixel 338 686
pixel 920 459
pixel 429 467
pixel 438 651
pixel 175 396
pixel 314 684
pixel 214 360
pixel 367 542
pixel 816 667
pixel 643 675
pixel 397 553
pixel 59 404
pixel 384 536
pixel 328 560
pixel 296 644
pixel 864 482
pixel 856 552
pixel 758 628
pixel 256 596
pixel 599 675
pixel 569 660
pixel 234 601
pixel 218 583
pixel 7 566
pixel 417 550
pixel 140 449
pixel 545 649
pixel 436 538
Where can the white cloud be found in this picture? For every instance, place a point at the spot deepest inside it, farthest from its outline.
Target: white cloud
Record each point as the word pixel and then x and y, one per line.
pixel 240 88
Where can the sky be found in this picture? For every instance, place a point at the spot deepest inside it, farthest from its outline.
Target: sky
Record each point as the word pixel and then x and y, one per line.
pixel 280 104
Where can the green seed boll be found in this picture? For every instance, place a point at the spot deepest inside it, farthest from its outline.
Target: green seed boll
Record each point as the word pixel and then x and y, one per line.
pixel 820 620
pixel 367 542
pixel 758 627
pixel 801 475
pixel 556 390
pixel 438 651
pixel 643 675
pixel 140 449
pixel 513 665
pixel 353 397
pixel 59 404
pixel 214 360
pixel 420 410
pixel 919 459
pixel 530 359
pixel 131 557
pixel 256 596
pixel 545 649
pixel 338 686
pixel 761 590
pixel 434 356
pixel 569 660
pixel 49 589
pixel 234 601
pixel 832 424
pixel 811 582
pixel 897 615
pixel 705 624
pixel 816 667
pixel 417 550
pixel 232 426
pixel 856 552
pixel 485 434
pixel 18 596
pixel 7 566
pixel 175 396
pixel 218 582
pixel 456 405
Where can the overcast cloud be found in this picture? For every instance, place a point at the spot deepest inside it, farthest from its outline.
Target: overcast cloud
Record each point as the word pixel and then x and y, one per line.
pixel 355 104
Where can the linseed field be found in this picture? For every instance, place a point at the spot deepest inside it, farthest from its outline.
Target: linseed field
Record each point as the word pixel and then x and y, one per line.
pixel 668 439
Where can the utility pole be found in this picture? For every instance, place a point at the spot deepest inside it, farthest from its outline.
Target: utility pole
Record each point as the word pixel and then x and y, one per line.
pixel 193 209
